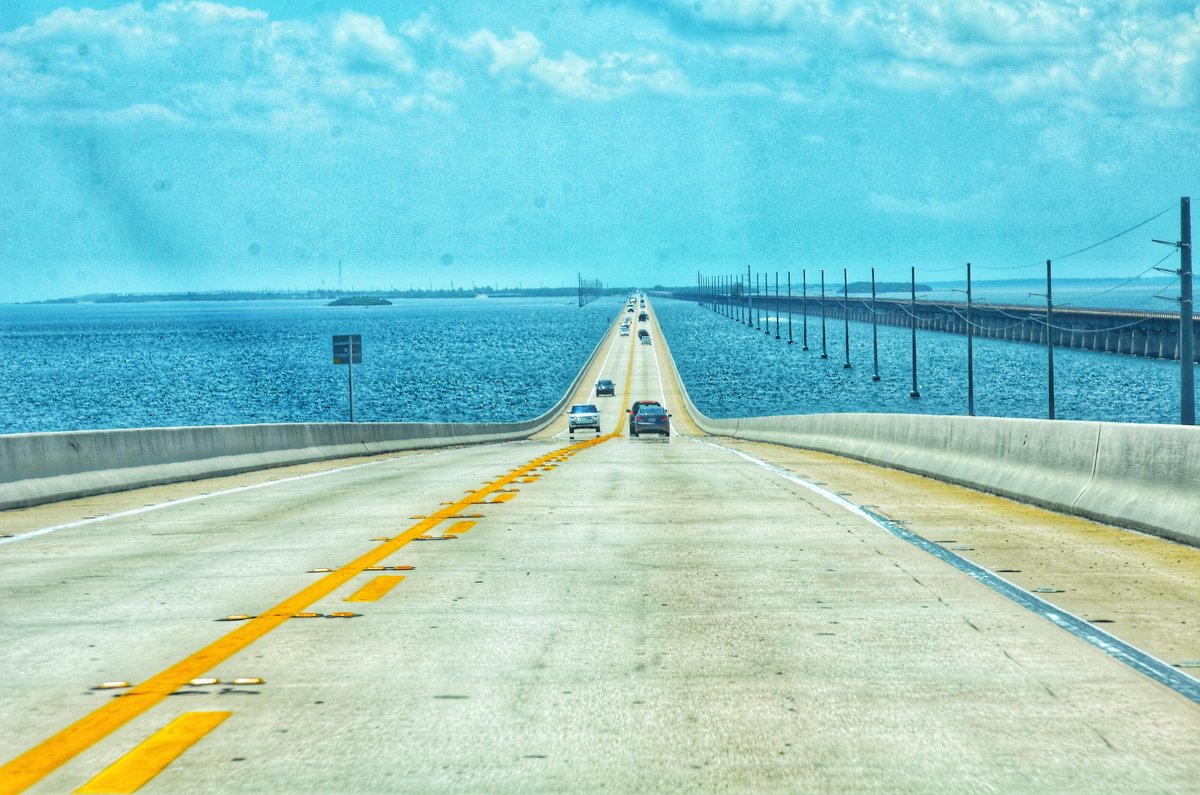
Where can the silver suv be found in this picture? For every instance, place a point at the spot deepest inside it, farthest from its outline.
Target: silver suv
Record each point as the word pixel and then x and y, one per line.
pixel 583 415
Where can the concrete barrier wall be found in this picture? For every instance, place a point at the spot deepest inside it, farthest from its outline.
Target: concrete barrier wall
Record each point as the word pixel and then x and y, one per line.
pixel 1138 476
pixel 37 468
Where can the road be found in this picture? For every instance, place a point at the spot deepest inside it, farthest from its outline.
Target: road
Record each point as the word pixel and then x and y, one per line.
pixel 598 614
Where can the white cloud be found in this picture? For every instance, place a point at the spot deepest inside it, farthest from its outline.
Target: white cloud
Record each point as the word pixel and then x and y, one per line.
pixel 365 42
pixel 606 76
pixel 749 14
pixel 208 63
pixel 928 207
pixel 508 55
pixel 1057 52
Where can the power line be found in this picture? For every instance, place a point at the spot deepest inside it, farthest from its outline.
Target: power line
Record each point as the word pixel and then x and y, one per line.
pixel 1088 247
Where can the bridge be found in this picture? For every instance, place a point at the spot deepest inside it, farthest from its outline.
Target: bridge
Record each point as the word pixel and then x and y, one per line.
pixel 778 604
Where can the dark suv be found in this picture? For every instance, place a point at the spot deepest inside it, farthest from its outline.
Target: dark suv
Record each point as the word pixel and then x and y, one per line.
pixel 648 416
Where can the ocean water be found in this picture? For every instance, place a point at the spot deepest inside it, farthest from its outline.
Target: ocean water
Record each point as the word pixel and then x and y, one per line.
pixel 95 366
pixel 98 366
pixel 732 370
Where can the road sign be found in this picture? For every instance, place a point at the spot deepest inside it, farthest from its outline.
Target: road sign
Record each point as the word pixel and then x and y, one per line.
pixel 347 348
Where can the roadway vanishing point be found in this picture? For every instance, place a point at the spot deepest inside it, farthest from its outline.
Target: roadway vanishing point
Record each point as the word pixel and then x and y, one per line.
pixel 694 613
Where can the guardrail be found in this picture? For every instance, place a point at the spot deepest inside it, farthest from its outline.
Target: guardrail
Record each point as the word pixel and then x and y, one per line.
pixel 37 468
pixel 1130 475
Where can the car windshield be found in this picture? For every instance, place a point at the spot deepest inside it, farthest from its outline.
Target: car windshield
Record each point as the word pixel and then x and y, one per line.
pixel 583 409
pixel 650 410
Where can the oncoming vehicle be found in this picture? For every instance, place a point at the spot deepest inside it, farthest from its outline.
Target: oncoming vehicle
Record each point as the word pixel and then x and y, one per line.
pixel 605 387
pixel 583 415
pixel 649 418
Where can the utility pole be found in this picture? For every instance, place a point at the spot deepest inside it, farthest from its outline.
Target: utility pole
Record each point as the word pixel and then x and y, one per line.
pixel 970 350
pixel 1187 340
pixel 804 306
pixel 1049 344
pixel 846 315
pixel 874 328
pixel 824 349
pixel 915 393
pixel 777 305
pixel 789 280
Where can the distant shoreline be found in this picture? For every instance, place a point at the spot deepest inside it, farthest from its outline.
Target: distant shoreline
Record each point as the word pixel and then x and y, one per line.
pixel 541 292
pixel 323 295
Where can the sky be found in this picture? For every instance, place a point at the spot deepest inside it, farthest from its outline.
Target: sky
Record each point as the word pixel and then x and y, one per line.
pixel 370 145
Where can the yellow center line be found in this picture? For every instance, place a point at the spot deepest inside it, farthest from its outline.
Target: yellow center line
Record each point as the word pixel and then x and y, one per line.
pixel 376 588
pixel 132 771
pixel 38 762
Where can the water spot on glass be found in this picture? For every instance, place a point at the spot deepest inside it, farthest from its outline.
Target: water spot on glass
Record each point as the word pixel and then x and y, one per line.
pixel 82 49
pixel 524 112
pixel 52 275
pixel 162 185
pixel 255 249
pixel 336 131
pixel 447 259
pixel 539 202
pixel 249 220
pixel 568 187
pixel 419 230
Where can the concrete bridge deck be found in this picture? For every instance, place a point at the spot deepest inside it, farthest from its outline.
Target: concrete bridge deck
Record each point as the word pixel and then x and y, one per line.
pixel 627 615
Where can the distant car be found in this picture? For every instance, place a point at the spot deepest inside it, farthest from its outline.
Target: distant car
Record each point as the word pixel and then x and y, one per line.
pixel 643 333
pixel 644 340
pixel 605 387
pixel 630 310
pixel 624 331
pixel 583 415
pixel 643 317
pixel 649 418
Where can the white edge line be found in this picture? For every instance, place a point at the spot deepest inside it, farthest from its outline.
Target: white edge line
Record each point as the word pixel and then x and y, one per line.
pixel 183 500
pixel 1105 641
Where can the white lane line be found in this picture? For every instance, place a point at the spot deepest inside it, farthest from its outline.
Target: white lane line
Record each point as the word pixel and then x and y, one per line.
pixel 181 501
pixel 612 346
pixel 1141 661
pixel 662 392
pixel 837 499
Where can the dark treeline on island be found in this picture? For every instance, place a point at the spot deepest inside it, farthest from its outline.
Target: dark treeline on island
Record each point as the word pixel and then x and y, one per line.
pixel 343 297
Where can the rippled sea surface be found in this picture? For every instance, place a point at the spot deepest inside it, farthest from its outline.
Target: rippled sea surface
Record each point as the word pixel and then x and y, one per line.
pixel 93 366
pixel 732 370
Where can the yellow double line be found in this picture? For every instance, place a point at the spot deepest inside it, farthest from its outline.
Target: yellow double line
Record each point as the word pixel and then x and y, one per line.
pixel 35 764
pixel 43 759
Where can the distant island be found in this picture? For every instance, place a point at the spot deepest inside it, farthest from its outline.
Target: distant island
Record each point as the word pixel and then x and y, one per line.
pixel 360 300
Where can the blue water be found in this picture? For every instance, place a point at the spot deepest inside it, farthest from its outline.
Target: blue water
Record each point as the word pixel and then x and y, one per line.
pixel 93 366
pixel 732 370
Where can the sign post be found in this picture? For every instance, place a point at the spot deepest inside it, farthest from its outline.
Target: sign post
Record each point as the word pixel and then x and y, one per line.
pixel 347 350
